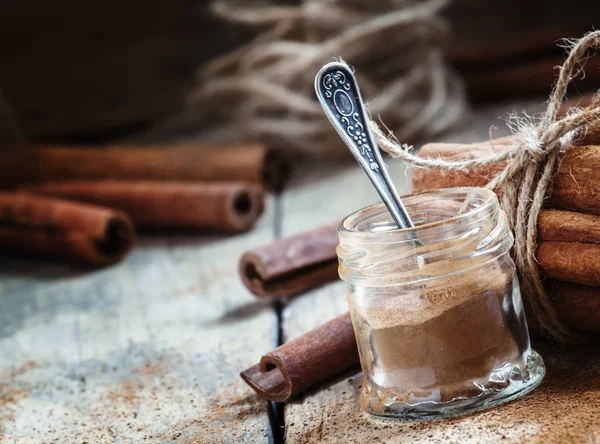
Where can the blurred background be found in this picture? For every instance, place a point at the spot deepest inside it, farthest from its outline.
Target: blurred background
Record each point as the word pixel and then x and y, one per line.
pixel 235 71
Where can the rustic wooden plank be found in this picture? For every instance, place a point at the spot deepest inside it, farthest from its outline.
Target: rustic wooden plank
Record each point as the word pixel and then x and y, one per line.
pixel 565 408
pixel 148 350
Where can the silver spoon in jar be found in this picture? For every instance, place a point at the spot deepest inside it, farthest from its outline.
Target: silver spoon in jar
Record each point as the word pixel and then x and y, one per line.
pixel 337 90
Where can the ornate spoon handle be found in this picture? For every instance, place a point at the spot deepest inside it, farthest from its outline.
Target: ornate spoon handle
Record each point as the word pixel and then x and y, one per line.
pixel 340 97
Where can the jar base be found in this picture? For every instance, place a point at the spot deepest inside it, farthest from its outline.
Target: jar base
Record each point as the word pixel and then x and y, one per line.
pixel 488 398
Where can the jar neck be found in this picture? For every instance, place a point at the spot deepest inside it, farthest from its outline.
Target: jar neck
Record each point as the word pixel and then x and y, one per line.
pixel 456 230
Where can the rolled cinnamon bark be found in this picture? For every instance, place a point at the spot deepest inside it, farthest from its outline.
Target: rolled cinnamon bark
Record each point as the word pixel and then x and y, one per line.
pixel 54 227
pixel 567 226
pixel 570 248
pixel 252 163
pixel 292 265
pixel 578 306
pixel 223 206
pixel 576 185
pixel 304 362
pixel 570 261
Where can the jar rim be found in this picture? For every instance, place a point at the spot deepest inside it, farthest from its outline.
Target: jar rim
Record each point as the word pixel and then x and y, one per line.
pixel 489 199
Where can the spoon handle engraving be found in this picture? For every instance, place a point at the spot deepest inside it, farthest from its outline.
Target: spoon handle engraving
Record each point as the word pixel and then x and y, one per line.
pixel 337 90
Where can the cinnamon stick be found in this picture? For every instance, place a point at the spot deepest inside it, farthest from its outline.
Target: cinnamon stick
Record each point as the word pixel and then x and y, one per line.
pixel 315 357
pixel 292 265
pixel 570 261
pixel 53 227
pixel 578 306
pixel 251 163
pixel 576 185
pixel 567 226
pixel 570 247
pixel 223 206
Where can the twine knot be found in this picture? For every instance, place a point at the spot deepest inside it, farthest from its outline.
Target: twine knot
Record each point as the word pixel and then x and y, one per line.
pixel 536 154
pixel 527 179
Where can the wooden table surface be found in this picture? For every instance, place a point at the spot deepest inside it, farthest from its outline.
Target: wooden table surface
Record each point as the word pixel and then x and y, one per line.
pixel 149 350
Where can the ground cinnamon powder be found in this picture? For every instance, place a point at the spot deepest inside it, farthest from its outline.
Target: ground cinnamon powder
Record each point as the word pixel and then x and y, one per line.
pixel 437 345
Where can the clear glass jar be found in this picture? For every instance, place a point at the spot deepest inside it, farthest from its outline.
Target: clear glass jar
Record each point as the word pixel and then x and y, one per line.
pixel 437 309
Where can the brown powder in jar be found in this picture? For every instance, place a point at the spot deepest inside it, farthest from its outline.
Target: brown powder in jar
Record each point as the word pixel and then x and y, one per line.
pixel 442 336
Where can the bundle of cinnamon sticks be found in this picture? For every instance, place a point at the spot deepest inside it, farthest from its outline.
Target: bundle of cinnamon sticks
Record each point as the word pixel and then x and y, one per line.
pixel 83 202
pixel 569 235
pixel 568 254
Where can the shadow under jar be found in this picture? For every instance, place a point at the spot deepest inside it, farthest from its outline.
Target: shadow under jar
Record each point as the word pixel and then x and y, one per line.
pixel 436 309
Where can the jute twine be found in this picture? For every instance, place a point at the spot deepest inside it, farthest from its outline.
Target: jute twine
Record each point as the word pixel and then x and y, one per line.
pixel 527 178
pixel 264 90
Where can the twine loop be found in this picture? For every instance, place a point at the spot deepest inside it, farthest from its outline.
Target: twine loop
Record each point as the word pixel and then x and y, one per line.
pixel 264 90
pixel 527 178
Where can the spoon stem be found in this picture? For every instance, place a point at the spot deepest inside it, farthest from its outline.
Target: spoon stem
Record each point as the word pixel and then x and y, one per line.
pixel 337 90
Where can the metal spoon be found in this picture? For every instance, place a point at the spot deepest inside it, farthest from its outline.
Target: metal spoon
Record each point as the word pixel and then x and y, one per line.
pixel 337 90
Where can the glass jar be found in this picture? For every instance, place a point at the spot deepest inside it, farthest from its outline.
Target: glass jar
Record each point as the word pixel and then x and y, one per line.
pixel 437 309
